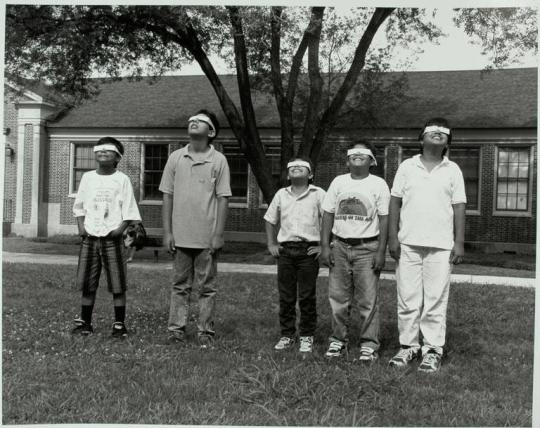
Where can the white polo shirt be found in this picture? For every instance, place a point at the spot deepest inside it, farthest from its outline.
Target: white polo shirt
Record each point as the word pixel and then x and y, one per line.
pixel 427 217
pixel 299 216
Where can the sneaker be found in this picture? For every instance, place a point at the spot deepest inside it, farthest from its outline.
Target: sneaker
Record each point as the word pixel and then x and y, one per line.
pixel 367 354
pixel 206 341
pixel 336 349
pixel 404 356
pixel 431 362
pixel 176 337
pixel 306 343
pixel 119 329
pixel 82 328
pixel 284 343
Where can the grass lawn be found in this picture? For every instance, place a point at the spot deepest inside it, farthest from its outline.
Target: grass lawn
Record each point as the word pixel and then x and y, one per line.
pixel 51 377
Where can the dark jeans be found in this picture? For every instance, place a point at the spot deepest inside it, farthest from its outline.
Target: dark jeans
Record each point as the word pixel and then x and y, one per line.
pixel 297 276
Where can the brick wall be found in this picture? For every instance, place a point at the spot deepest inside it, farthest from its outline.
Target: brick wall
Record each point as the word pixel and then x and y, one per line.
pixel 27 177
pixel 485 227
pixel 10 163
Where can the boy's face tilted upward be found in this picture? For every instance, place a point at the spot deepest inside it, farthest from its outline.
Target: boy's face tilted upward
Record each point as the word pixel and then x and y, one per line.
pixel 200 126
pixel 359 163
pixel 298 171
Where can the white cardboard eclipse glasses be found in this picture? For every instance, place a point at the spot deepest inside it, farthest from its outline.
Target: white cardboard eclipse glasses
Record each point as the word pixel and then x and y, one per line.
pixel 435 128
pixel 110 147
pixel 202 118
pixel 299 163
pixel 362 151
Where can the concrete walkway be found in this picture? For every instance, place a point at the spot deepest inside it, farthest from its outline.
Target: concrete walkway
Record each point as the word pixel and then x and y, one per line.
pixel 54 259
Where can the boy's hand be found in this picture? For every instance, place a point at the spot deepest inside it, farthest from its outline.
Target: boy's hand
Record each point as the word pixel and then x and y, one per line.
pixel 327 258
pixel 394 248
pixel 274 249
pixel 168 242
pixel 216 243
pixel 457 253
pixel 316 249
pixel 82 232
pixel 378 261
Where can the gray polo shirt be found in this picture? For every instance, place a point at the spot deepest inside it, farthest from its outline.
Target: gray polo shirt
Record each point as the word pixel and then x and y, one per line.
pixel 195 180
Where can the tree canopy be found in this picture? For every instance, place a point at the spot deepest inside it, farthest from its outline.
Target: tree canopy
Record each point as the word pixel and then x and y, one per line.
pixel 319 65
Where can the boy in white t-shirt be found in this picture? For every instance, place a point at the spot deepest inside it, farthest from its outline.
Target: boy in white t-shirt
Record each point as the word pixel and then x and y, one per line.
pixel 104 207
pixel 426 236
pixel 356 213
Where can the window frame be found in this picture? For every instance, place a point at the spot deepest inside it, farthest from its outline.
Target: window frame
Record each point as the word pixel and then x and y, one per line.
pixel 234 144
pixel 511 213
pixel 142 200
pixel 480 148
pixel 72 192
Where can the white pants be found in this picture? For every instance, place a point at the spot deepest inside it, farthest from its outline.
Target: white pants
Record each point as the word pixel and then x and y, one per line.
pixel 423 283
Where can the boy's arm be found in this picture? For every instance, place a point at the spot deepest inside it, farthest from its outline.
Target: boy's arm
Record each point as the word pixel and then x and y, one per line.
pixel 326 229
pixel 271 238
pixel 380 256
pixel 217 239
pixel 166 214
pixel 393 227
pixel 80 225
pixel 457 253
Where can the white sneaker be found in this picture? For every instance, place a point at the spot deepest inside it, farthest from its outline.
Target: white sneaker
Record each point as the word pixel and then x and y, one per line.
pixel 336 349
pixel 284 343
pixel 367 354
pixel 306 343
pixel 404 357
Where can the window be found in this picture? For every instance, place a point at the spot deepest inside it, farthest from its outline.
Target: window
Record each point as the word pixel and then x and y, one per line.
pixel 155 158
pixel 512 183
pixel 238 166
pixel 83 161
pixel 273 154
pixel 468 159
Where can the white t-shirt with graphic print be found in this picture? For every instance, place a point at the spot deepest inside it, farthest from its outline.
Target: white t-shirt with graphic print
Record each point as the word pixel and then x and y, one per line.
pixel 105 201
pixel 357 205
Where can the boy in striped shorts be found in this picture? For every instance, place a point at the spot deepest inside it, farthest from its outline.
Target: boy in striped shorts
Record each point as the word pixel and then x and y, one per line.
pixel 104 207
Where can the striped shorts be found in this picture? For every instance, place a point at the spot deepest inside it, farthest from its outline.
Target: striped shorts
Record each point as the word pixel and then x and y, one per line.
pixel 97 253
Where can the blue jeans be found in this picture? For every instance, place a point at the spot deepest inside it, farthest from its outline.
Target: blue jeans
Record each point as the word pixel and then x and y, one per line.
pixel 193 266
pixel 352 279
pixel 297 276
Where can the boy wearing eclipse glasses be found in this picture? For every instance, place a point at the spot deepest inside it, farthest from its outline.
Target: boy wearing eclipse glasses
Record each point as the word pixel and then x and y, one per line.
pixel 297 209
pixel 426 236
pixel 356 214
pixel 196 187
pixel 104 207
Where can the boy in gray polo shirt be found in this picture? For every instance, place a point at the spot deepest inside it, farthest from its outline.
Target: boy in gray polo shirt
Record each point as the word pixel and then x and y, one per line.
pixel 196 187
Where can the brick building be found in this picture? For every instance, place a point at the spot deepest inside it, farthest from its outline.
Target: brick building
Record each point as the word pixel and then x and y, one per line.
pixel 493 115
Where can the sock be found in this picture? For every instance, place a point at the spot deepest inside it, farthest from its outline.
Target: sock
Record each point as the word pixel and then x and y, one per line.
pixel 119 313
pixel 86 313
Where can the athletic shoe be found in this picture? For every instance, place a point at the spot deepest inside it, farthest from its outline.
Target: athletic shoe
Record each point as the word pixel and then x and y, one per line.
pixel 306 343
pixel 176 337
pixel 367 354
pixel 82 328
pixel 431 362
pixel 284 343
pixel 206 341
pixel 404 356
pixel 119 329
pixel 336 349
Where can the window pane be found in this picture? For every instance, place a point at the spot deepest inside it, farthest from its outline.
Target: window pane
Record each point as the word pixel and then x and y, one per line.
pixel 522 186
pixel 524 156
pixel 524 170
pixel 513 170
pixel 511 202
pixel 514 156
pixel 512 187
pixel 503 170
pixel 503 155
pixel 501 202
pixel 155 158
pixel 522 202
pixel 468 159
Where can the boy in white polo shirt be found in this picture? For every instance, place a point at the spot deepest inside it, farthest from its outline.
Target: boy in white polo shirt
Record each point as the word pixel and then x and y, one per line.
pixel 356 212
pixel 426 236
pixel 298 211
pixel 196 187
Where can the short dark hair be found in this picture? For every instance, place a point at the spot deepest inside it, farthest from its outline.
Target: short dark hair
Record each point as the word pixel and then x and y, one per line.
pixel 214 120
pixel 305 159
pixel 368 144
pixel 436 121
